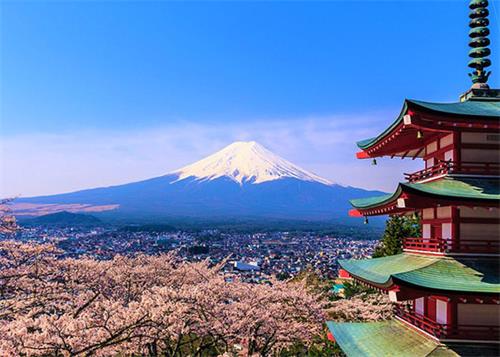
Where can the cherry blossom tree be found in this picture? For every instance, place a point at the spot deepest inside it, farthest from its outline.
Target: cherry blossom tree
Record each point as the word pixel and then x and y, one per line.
pixel 7 219
pixel 361 307
pixel 153 305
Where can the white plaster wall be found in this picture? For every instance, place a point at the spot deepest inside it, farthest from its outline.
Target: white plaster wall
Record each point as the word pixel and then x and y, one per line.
pixel 445 141
pixel 428 213
pixel 431 147
pixel 444 212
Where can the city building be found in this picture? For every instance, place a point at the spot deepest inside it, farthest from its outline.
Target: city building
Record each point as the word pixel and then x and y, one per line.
pixel 445 284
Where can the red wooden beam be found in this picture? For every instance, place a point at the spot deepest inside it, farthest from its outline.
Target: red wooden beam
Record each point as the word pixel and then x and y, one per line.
pixel 355 213
pixel 362 155
pixel 405 154
pixel 418 153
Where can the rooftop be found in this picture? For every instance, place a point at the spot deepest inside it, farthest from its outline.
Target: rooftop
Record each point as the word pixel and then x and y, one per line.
pixel 475 275
pixel 393 338
pixel 486 109
pixel 457 188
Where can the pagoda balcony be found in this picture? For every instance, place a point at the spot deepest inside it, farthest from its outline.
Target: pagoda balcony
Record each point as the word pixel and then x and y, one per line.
pixel 483 246
pixel 447 331
pixel 455 167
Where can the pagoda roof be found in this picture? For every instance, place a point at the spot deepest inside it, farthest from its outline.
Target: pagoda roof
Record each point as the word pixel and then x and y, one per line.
pixel 394 338
pixel 466 112
pixel 450 188
pixel 464 275
pixel 383 338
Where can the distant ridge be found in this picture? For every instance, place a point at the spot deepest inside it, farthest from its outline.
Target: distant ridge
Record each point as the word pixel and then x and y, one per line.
pixel 64 218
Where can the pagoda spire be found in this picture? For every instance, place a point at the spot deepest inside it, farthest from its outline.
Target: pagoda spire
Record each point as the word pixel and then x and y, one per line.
pixel 479 43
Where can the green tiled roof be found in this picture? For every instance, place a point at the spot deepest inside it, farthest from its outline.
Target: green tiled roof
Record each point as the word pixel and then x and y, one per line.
pixel 385 338
pixel 485 109
pixel 475 275
pixel 380 270
pixel 393 338
pixel 454 187
pixel 462 187
pixel 369 202
pixel 473 108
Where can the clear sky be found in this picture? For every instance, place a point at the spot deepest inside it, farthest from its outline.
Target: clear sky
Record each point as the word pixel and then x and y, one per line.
pixel 100 93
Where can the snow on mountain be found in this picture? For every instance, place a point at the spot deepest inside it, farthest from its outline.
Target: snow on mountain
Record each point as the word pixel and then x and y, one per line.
pixel 246 162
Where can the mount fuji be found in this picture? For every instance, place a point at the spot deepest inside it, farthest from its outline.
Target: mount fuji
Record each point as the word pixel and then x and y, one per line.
pixel 243 180
pixel 246 162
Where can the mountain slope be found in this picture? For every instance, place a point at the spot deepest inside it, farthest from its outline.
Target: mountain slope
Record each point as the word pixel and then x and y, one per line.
pixel 242 180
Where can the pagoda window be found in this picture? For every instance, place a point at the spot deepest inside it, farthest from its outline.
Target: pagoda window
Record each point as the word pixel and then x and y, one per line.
pixel 478 314
pixel 480 155
pixel 480 138
pixel 426 231
pixel 479 231
pixel 449 155
pixel 441 311
pixel 420 306
pixel 475 212
pixel 479 228
pixel 480 147
pixel 447 231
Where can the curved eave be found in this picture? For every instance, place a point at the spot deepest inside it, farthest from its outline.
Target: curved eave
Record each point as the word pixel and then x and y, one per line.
pixel 445 191
pixel 471 276
pixel 449 275
pixel 367 143
pixel 384 338
pixel 363 276
pixel 379 272
pixel 400 138
pixel 378 205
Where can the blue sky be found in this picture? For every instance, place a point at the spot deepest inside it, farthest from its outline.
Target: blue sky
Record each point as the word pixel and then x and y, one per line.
pixel 100 93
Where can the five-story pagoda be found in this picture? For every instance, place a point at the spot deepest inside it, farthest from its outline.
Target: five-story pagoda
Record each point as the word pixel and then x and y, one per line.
pixel 445 283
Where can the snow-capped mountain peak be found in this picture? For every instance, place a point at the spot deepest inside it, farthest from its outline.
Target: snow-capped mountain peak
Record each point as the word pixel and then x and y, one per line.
pixel 246 162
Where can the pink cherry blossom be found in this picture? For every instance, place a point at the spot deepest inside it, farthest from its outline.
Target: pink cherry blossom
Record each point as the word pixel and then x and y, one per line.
pixel 144 305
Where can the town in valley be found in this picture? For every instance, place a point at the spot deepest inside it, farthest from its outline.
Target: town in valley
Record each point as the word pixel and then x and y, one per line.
pixel 254 256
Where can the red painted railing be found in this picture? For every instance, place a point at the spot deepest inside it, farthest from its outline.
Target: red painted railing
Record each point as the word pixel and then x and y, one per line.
pixel 456 167
pixel 483 246
pixel 448 331
pixel 428 245
pixel 420 321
